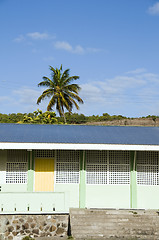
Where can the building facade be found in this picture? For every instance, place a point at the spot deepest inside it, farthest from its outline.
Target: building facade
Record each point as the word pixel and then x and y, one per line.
pixel 51 168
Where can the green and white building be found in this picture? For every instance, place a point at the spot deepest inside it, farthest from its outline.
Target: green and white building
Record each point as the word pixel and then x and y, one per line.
pixel 51 168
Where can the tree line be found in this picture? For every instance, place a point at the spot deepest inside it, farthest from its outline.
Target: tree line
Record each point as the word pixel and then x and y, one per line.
pixel 39 117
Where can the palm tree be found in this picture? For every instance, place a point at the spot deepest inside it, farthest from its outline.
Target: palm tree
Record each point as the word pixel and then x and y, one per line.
pixel 61 90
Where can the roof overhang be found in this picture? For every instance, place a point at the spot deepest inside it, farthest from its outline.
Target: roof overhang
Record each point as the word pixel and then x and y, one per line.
pixel 77 146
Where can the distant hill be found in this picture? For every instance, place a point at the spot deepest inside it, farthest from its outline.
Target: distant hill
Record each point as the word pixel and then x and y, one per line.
pixel 128 122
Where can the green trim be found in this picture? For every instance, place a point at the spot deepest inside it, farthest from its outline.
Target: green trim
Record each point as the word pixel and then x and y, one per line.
pixel 82 185
pixel 133 180
pixel 30 183
pixel 33 159
pixel 28 160
pixel 30 180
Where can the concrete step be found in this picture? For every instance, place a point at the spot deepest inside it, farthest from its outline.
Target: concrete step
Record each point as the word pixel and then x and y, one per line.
pixel 90 224
pixel 112 211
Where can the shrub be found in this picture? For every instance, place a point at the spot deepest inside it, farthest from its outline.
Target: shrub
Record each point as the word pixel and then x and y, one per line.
pixel 28 238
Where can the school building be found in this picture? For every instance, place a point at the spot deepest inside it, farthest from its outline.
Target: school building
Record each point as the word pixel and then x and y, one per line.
pixel 52 168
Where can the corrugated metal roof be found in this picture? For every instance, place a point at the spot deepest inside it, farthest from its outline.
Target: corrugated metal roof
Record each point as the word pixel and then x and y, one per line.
pixel 29 133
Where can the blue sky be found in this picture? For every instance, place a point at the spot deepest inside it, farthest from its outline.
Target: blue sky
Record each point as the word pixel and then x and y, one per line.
pixel 113 45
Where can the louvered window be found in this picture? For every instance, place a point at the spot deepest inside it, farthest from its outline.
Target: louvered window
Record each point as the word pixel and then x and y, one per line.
pixel 108 167
pixel 119 167
pixel 44 153
pixel 16 166
pixel 67 166
pixel 96 167
pixel 147 168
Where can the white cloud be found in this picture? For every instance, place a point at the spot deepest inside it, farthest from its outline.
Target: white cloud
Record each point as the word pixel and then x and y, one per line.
pixel 27 95
pixel 63 45
pixel 38 36
pixel 19 39
pixel 154 10
pixel 67 47
pixel 137 71
pixel 60 45
pixel 138 93
pixel 33 36
pixel 25 98
pixel 78 49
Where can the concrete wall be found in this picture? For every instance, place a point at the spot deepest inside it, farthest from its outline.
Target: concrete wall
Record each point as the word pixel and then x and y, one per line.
pixel 72 191
pixel 147 197
pixel 108 196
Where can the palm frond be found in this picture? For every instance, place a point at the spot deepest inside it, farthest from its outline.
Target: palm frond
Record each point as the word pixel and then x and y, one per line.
pixel 72 87
pixel 52 69
pixel 74 102
pixel 46 82
pixel 64 101
pixel 51 103
pixel 59 76
pixel 75 96
pixel 65 75
pixel 48 92
pixel 70 79
pixel 42 97
pixel 69 102
pixel 60 68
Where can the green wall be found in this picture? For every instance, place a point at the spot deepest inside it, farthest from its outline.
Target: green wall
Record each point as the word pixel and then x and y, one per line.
pixel 72 191
pixel 147 197
pixel 89 195
pixel 107 196
pixel 14 187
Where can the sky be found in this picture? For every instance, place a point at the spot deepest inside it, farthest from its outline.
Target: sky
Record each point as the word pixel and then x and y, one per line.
pixel 113 45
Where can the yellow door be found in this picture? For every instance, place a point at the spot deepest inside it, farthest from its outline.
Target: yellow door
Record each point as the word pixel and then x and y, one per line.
pixel 44 174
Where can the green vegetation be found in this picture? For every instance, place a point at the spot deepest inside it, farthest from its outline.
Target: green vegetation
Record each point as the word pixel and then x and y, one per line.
pixel 48 117
pixel 27 238
pixel 38 117
pixel 61 90
pixel 11 118
pixel 74 118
